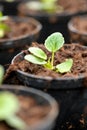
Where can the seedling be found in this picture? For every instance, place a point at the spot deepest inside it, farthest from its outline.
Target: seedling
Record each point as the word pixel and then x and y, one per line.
pixel 9 106
pixel 3 27
pixel 49 6
pixel 1 74
pixel 53 43
pixel 10 0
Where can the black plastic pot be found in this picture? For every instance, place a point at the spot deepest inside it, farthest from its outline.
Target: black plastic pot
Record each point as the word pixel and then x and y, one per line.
pixel 41 98
pixel 10 8
pixel 75 34
pixel 9 48
pixel 51 22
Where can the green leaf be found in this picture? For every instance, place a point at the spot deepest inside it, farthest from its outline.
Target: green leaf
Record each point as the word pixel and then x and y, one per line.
pixel 35 5
pixel 2 17
pixel 49 7
pixel 8 105
pixel 48 1
pixel 3 28
pixel 54 42
pixel 16 122
pixel 1 14
pixel 38 52
pixel 35 60
pixel 10 0
pixel 65 66
pixel 1 74
pixel 2 33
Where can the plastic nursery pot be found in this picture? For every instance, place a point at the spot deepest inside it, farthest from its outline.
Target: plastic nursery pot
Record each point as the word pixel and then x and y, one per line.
pixel 77 27
pixel 10 7
pixel 53 22
pixel 46 122
pixel 74 80
pixel 9 47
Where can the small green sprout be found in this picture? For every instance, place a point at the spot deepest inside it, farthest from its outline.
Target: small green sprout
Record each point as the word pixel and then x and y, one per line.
pixel 3 27
pixel 53 43
pixel 10 0
pixel 49 6
pixel 1 74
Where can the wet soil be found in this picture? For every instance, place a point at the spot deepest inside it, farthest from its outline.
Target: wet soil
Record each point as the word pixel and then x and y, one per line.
pixel 75 51
pixel 30 112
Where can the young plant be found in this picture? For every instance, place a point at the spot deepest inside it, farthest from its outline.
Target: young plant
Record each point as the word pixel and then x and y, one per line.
pixel 3 27
pixel 1 74
pixel 49 6
pixel 10 0
pixel 9 106
pixel 53 43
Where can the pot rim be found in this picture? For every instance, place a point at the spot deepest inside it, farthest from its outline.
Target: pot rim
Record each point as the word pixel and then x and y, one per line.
pixel 33 21
pixel 72 28
pixel 54 105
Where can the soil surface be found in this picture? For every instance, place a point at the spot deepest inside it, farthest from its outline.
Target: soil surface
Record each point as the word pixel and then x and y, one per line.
pixel 70 6
pixel 73 6
pixel 80 24
pixel 17 29
pixel 75 51
pixel 30 112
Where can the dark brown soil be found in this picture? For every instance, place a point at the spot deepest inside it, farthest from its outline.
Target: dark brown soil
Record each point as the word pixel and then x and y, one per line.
pixel 75 51
pixel 80 24
pixel 70 6
pixel 17 29
pixel 73 6
pixel 30 111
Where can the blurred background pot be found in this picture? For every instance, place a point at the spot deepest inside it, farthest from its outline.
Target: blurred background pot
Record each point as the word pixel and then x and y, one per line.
pixel 56 21
pixel 9 47
pixel 41 99
pixel 77 27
